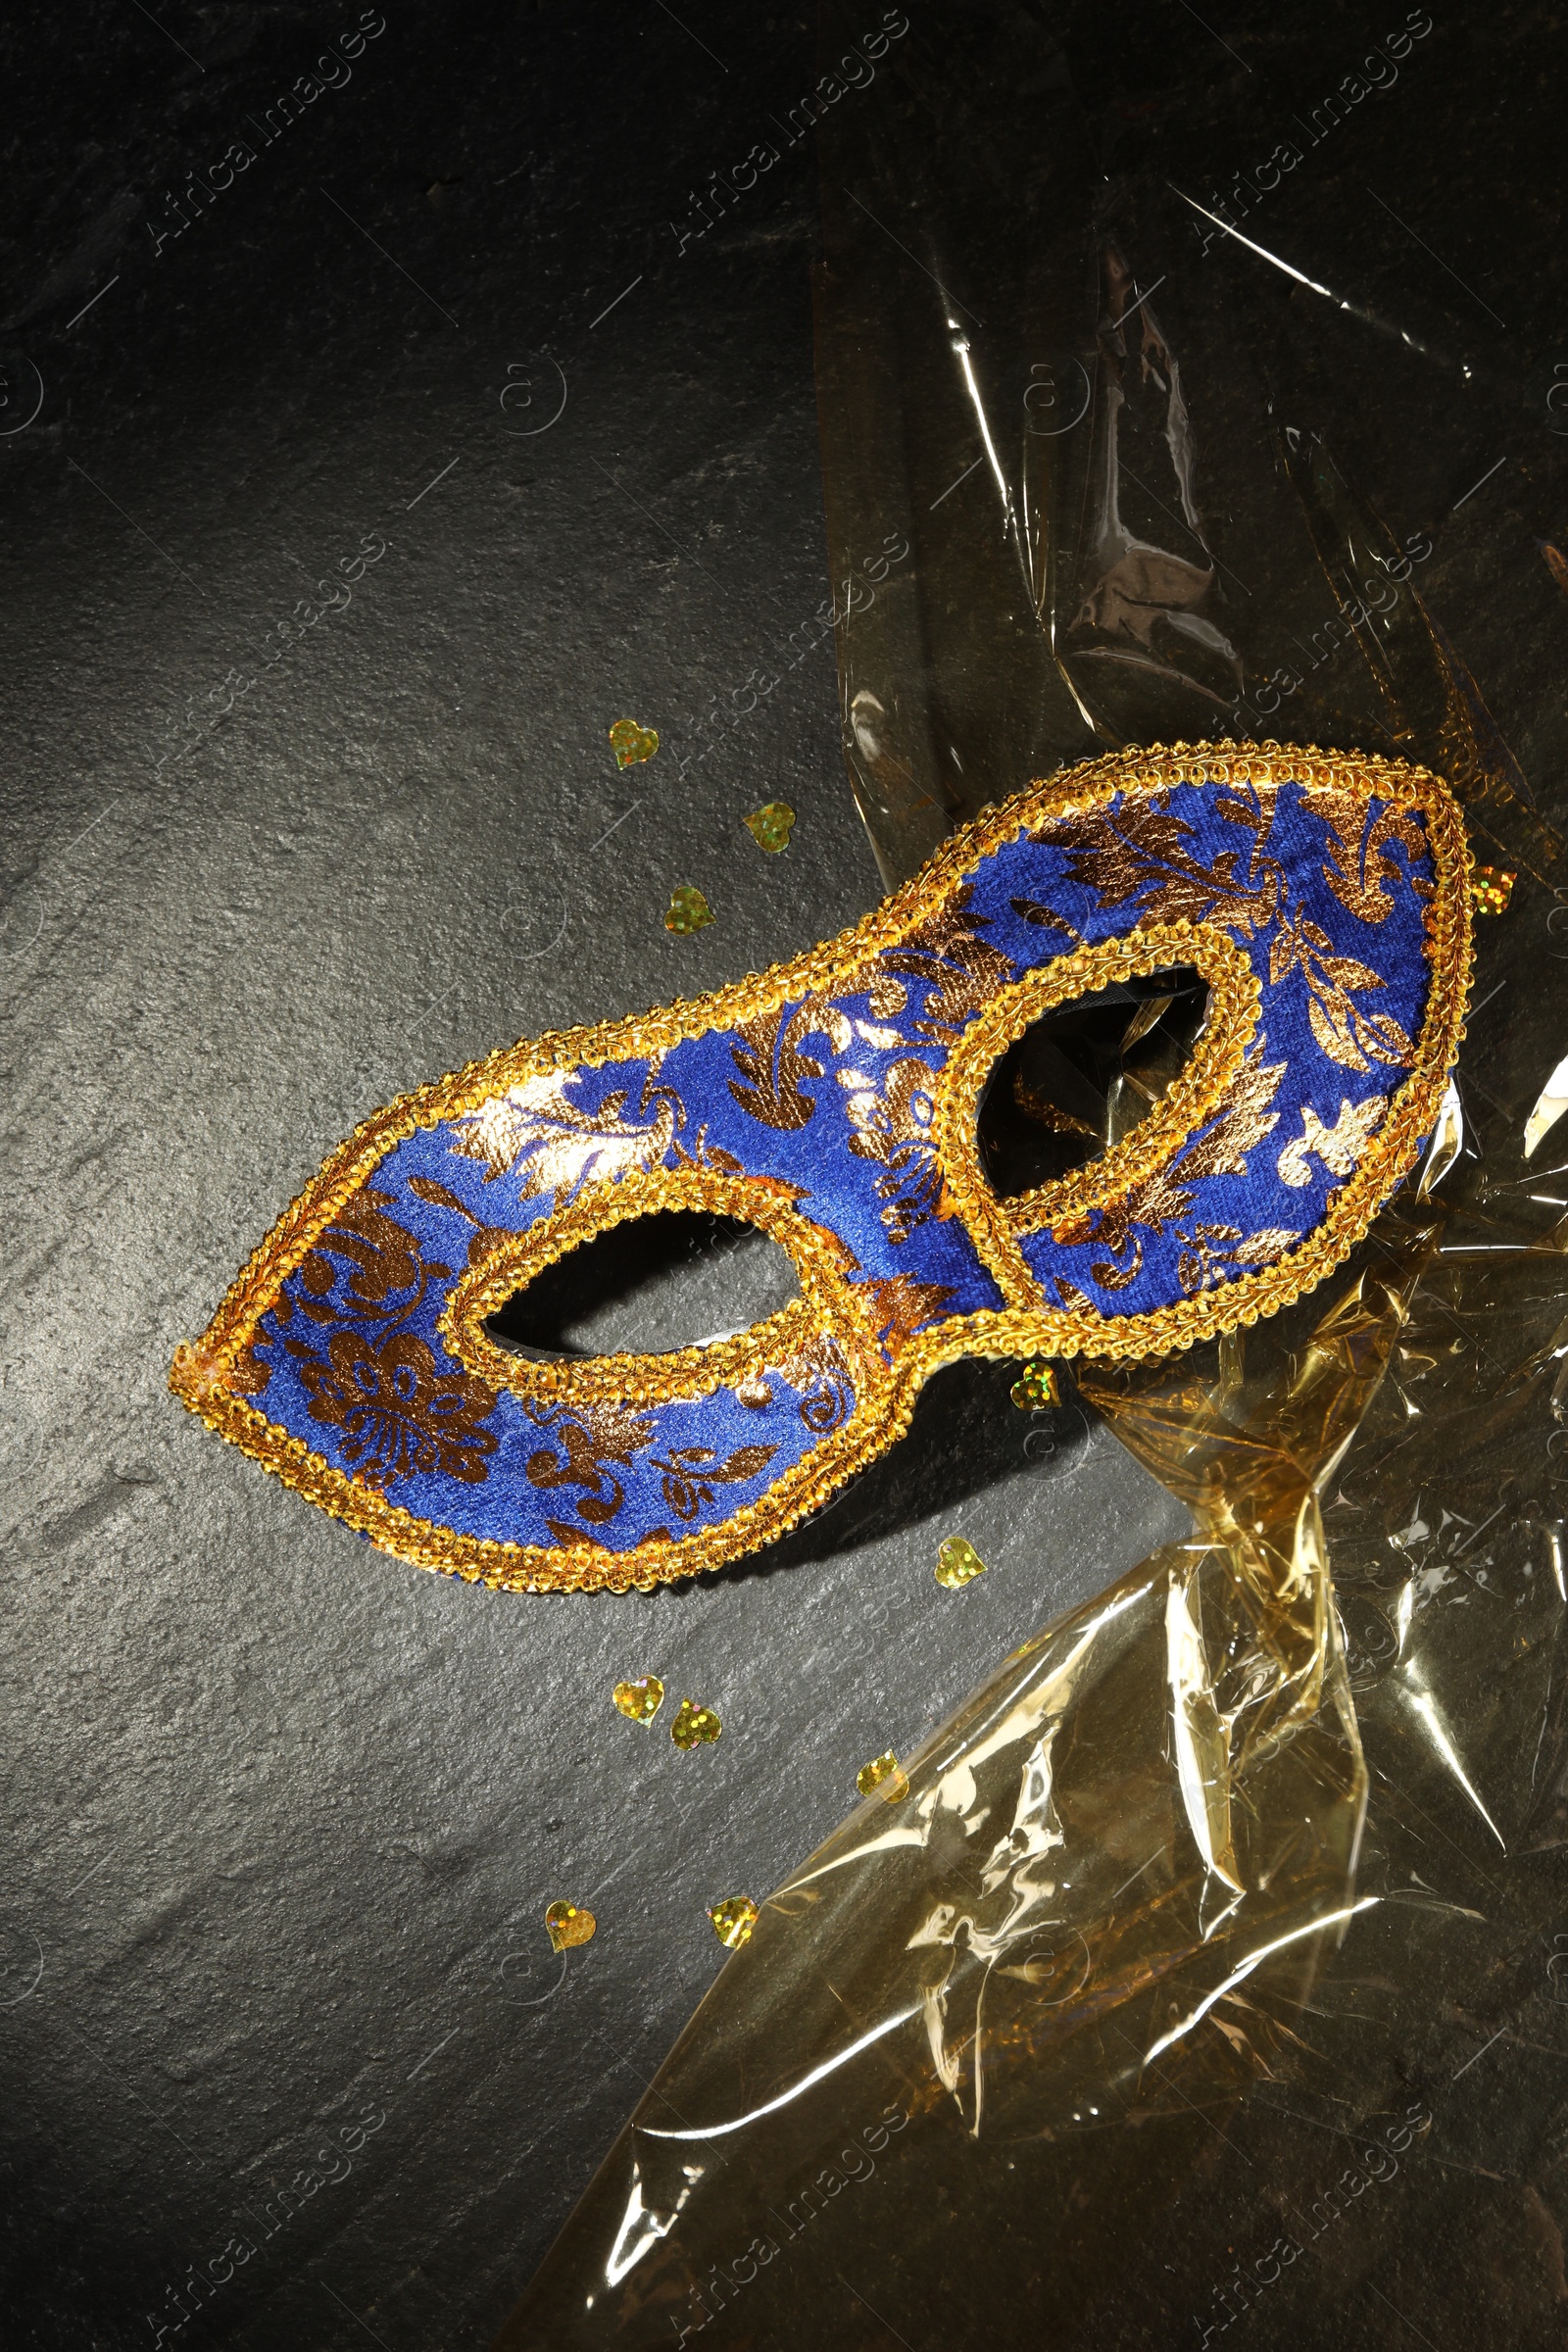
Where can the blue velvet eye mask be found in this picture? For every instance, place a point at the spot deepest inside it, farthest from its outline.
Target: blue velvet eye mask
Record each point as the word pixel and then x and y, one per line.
pixel 835 1102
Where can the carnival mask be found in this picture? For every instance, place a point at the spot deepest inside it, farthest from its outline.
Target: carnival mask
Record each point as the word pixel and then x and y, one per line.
pixel 838 1103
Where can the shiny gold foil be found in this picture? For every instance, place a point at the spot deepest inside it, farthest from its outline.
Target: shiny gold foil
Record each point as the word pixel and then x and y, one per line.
pixel 1231 1868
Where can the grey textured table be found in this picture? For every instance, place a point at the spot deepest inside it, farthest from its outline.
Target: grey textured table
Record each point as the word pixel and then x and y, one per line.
pixel 282 1815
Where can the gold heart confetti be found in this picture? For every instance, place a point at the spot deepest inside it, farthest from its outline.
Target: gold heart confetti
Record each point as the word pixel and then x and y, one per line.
pixel 567 1925
pixel 689 911
pixel 631 742
pixel 770 826
pixel 958 1563
pixel 694 1724
pixel 733 1920
pixel 884 1776
pixel 1036 1388
pixel 1490 889
pixel 642 1699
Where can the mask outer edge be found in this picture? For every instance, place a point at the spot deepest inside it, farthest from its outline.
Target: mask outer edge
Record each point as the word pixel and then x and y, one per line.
pixel 211 1377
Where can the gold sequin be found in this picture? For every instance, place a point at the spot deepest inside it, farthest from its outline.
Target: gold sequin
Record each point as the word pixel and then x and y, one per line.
pixel 567 1924
pixel 694 1725
pixel 771 825
pixel 642 1699
pixel 689 911
pixel 733 1920
pixel 631 742
pixel 1490 889
pixel 1037 1387
pixel 958 1563
pixel 884 1776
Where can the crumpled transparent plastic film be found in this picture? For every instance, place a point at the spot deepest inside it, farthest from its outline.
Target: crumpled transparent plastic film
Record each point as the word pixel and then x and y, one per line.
pixel 1236 1867
pixel 1211 1978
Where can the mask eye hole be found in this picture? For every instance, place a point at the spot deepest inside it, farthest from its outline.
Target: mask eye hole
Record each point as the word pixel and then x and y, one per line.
pixel 1085 1075
pixel 676 1278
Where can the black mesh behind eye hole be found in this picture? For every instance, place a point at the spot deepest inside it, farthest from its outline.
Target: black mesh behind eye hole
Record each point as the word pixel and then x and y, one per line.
pixel 1085 1075
pixel 648 1286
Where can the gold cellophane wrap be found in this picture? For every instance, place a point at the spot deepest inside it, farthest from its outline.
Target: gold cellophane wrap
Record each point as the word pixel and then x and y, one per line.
pixel 1159 1997
pixel 1211 1978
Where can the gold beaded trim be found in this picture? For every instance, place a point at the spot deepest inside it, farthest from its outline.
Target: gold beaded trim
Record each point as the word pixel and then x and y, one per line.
pixel 209 1376
pixel 828 1303
pixel 995 1226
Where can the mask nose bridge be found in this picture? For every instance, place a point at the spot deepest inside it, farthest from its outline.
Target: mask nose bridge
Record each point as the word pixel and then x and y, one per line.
pixel 825 1308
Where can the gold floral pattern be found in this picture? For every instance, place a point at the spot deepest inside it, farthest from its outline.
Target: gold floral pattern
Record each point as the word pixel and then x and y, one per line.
pixel 384 1255
pixel 820 1371
pixel 399 1414
pixel 888 996
pixel 1345 1031
pixel 891 1125
pixel 1167 1191
pixel 957 964
pixel 1143 857
pixel 1338 1146
pixel 250 1375
pixel 1361 869
pixel 1214 1251
pixel 396 1412
pixel 554 1146
pixel 903 1304
pixel 771 1065
pixel 1043 918
pixel 589 1439
pixel 692 1472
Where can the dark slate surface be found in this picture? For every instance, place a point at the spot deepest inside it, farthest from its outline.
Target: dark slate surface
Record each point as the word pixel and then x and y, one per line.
pixel 282 1815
